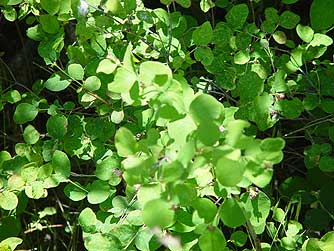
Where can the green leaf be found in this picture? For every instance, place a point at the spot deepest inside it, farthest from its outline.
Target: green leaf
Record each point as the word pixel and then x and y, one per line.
pixel 75 192
pixel 99 191
pixel 305 33
pixel 326 164
pixel 232 213
pixel 115 7
pixel 12 96
pixel 8 200
pixel 291 109
pixel 106 66
pixel 212 239
pixel 322 14
pixel 272 144
pixel 184 3
pixel 49 23
pixel 4 156
pixel 51 6
pixel 92 83
pixel 35 190
pixel 154 72
pixel 57 126
pixel 239 238
pixel 25 112
pixel 9 13
pixel 289 1
pixel 158 212
pixel 61 165
pixel 172 171
pixel 106 168
pixel 229 172
pixel 321 39
pixel 87 220
pixel 241 57
pixel 289 20
pixel 204 55
pixel 56 84
pixel 125 142
pixel 206 5
pixel 250 85
pixel 237 15
pixel 123 81
pixel 30 135
pixel 117 117
pixel 11 242
pixel 205 208
pixel 205 107
pixel 76 71
pixel 279 37
pixel 203 34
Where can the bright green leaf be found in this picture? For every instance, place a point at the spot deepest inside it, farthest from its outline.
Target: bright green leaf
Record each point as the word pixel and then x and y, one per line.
pixel 30 135
pixel 25 112
pixel 158 212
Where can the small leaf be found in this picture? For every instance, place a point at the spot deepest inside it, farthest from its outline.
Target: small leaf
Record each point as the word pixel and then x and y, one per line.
pixel 205 208
pixel 305 33
pixel 49 23
pixel 35 190
pixel 212 239
pixel 280 37
pixel 106 66
pixel 250 85
pixel 326 164
pixel 87 220
pixel 229 172
pixel 237 15
pixel 117 116
pixel 30 135
pixel 51 6
pixel 74 192
pixel 99 191
pixel 76 71
pixel 239 238
pixel 158 213
pixel 123 81
pixel 205 107
pixel 57 126
pixel 241 57
pixel 125 142
pixel 272 144
pixel 56 84
pixel 25 112
pixel 204 55
pixel 206 5
pixel 199 38
pixel 106 168
pixel 61 165
pixel 92 83
pixel 289 20
pixel 8 200
pixel 232 214
pixel 184 3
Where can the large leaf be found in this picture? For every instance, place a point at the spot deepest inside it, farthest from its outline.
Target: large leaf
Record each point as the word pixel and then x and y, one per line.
pixel 322 14
pixel 125 142
pixel 229 172
pixel 232 213
pixel 56 84
pixel 212 239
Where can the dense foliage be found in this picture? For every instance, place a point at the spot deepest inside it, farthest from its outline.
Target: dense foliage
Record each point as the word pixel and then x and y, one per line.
pixel 180 125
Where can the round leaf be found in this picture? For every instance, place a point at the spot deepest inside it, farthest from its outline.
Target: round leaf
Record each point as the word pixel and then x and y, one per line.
pixel 305 33
pixel 76 71
pixel 98 192
pixel 106 66
pixel 56 84
pixel 57 126
pixel 205 107
pixel 212 239
pixel 8 200
pixel 30 135
pixel 232 214
pixel 92 83
pixel 229 172
pixel 158 213
pixel 25 112
pixel 74 192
